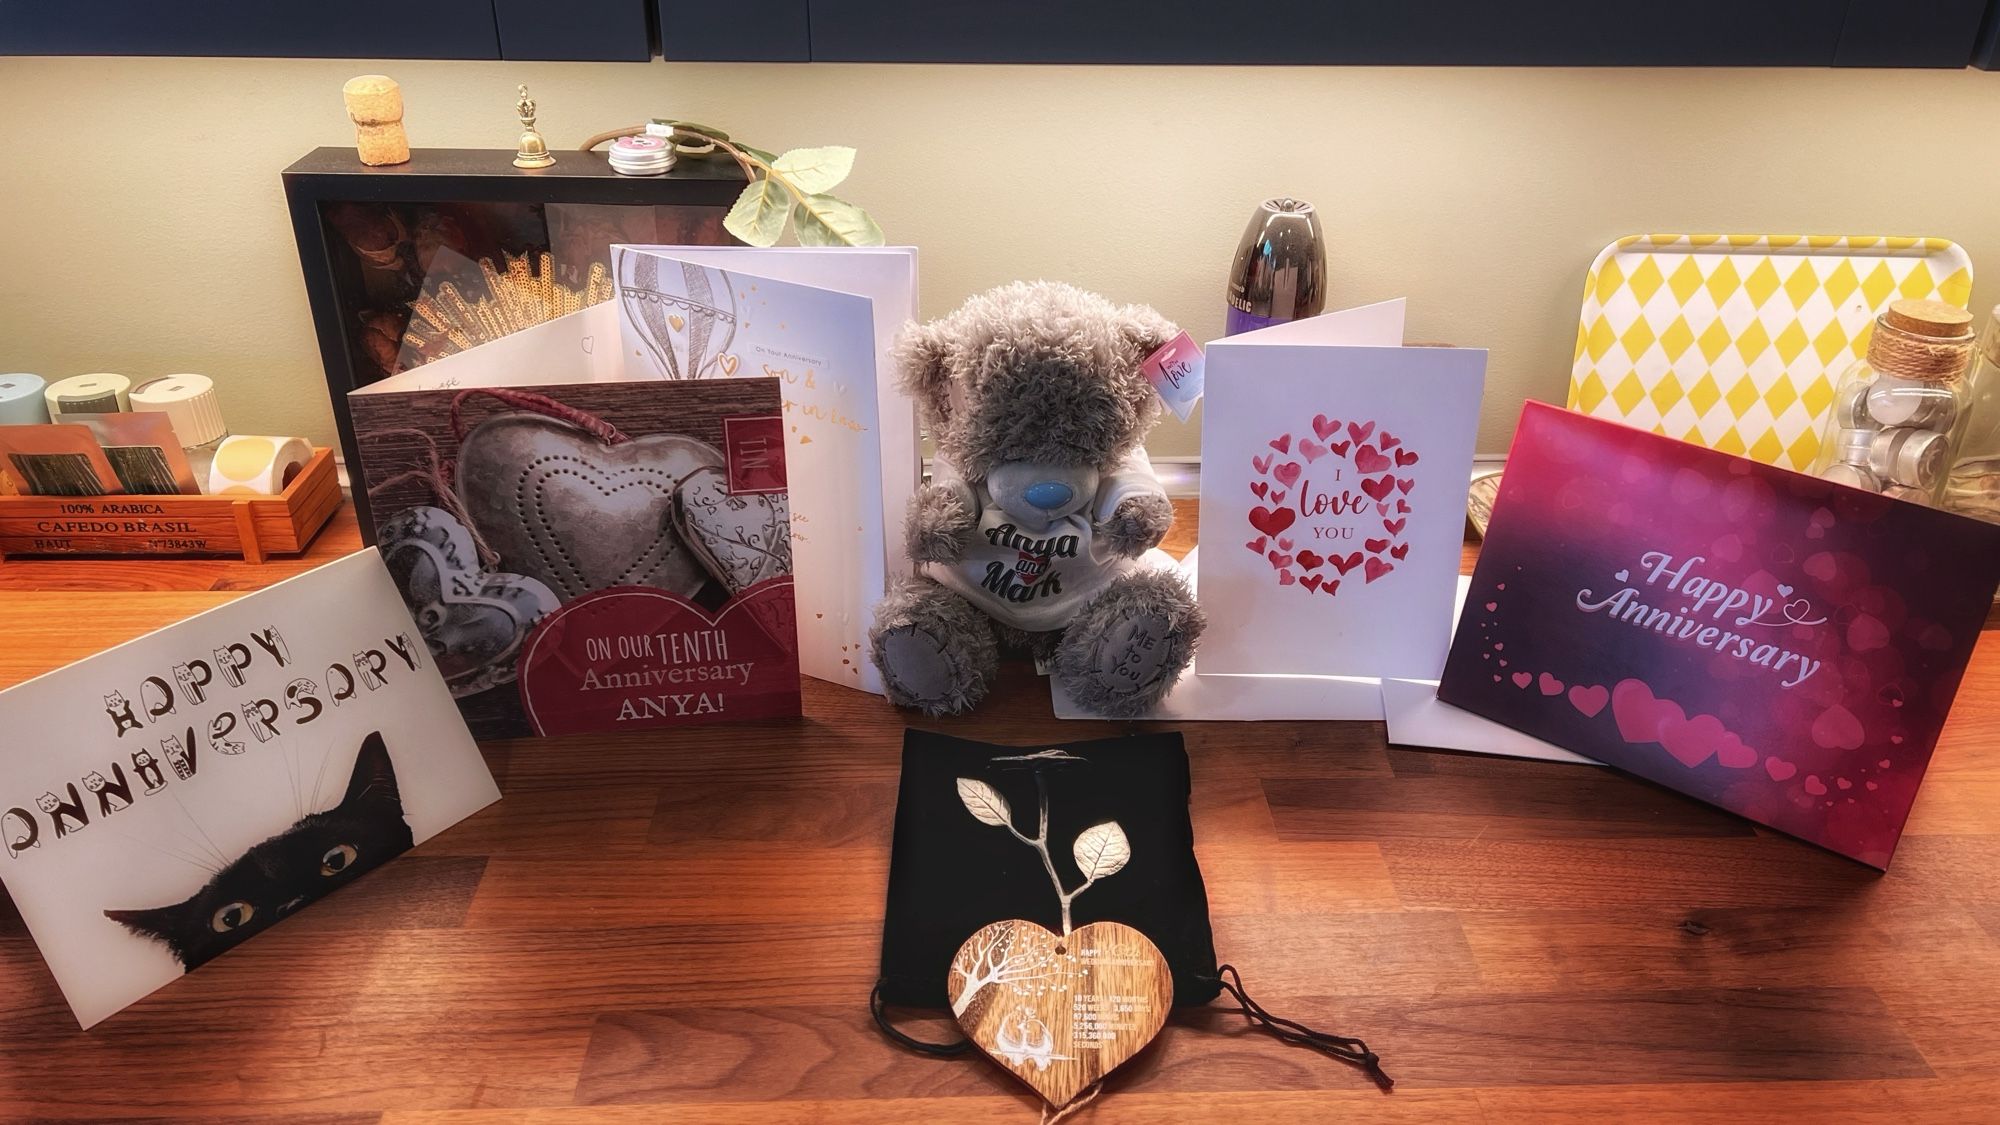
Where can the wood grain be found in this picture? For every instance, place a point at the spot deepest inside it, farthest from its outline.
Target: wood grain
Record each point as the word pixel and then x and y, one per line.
pixel 684 929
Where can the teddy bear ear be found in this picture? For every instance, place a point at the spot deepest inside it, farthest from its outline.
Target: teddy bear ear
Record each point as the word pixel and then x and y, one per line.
pixel 924 360
pixel 1146 330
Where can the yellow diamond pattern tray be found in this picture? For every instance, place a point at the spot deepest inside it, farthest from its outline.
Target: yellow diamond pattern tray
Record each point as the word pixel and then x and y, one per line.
pixel 1734 341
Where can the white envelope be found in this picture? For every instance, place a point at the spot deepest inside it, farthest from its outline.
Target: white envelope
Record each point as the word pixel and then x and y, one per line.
pixel 1334 463
pixel 823 320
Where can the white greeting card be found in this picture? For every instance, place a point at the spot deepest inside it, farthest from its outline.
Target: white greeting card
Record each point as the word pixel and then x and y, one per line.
pixel 168 799
pixel 1334 463
pixel 822 321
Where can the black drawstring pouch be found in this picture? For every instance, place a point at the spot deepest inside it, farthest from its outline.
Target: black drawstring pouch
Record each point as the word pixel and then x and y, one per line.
pixel 951 873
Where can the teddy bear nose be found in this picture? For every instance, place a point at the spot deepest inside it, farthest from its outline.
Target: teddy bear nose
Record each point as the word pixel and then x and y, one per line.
pixel 1049 495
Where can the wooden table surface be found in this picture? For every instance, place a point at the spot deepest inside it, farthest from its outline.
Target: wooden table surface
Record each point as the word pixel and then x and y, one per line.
pixel 685 929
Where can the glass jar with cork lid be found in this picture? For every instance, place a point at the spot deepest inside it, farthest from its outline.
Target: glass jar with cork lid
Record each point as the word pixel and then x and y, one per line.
pixel 1900 411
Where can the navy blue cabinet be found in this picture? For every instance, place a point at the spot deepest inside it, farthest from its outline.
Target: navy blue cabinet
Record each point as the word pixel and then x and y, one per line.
pixel 359 29
pixel 714 31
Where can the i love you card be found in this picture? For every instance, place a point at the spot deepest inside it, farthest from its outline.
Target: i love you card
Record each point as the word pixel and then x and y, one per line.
pixel 1334 467
pixel 1774 644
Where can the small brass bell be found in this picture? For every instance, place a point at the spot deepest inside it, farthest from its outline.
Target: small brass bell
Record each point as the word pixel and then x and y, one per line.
pixel 534 151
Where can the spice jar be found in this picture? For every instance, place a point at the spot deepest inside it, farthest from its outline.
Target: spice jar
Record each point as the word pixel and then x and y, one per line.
pixel 1900 412
pixel 1973 487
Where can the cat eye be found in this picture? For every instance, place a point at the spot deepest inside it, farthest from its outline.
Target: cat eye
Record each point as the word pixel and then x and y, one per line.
pixel 337 859
pixel 233 916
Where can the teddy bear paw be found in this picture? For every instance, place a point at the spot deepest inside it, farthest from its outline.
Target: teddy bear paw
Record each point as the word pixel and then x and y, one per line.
pixel 1128 648
pixel 935 651
pixel 1138 525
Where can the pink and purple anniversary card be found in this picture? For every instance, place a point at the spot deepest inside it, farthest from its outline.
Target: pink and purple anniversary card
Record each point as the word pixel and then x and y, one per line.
pixel 1771 643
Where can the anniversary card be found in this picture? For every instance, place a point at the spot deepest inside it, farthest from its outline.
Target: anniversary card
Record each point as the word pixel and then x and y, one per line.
pixel 1777 645
pixel 168 799
pixel 1334 467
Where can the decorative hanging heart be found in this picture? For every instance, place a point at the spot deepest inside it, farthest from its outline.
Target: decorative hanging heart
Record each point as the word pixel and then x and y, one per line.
pixel 577 513
pixel 473 620
pixel 743 538
pixel 1060 1012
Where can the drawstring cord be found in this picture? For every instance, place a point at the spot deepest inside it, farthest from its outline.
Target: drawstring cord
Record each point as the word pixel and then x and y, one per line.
pixel 1347 1050
pixel 878 1008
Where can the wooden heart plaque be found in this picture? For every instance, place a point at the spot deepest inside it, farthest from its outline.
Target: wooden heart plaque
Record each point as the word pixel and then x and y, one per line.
pixel 1060 1012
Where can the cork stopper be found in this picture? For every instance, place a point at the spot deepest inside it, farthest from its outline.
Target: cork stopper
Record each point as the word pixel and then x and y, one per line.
pixel 1926 340
pixel 375 102
pixel 1929 318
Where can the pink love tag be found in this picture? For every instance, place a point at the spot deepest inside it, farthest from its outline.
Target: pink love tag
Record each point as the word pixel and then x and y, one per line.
pixel 1176 373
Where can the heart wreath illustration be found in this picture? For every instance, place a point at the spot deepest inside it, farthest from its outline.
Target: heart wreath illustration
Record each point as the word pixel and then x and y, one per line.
pixel 1363 464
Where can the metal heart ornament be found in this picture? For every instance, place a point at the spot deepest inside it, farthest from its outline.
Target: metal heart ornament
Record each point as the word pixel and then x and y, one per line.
pixel 472 620
pixel 743 538
pixel 577 513
pixel 1060 1012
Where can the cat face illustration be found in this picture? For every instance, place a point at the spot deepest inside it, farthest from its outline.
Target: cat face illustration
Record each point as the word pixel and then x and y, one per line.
pixel 93 781
pixel 49 802
pixel 320 853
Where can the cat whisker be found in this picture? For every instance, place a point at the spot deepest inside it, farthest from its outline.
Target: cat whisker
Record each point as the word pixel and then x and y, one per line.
pixel 218 853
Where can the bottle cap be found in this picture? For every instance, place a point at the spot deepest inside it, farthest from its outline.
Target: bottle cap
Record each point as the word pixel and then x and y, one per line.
pixel 1929 318
pixel 190 403
pixel 101 393
pixel 1927 340
pixel 21 402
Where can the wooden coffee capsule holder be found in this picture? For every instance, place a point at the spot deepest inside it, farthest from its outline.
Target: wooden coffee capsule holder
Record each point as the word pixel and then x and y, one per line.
pixel 252 527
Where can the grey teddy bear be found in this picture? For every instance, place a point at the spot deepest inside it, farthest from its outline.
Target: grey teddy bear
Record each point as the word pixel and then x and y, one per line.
pixel 1040 504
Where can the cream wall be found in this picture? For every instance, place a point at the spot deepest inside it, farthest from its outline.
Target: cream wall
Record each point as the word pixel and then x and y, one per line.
pixel 144 229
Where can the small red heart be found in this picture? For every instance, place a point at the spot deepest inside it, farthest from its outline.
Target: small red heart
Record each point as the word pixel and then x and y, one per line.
pixel 1288 473
pixel 1522 679
pixel 1402 505
pixel 1310 561
pixel 1367 460
pixel 1313 450
pixel 1378 488
pixel 1346 564
pixel 1589 700
pixel 1284 544
pixel 1339 447
pixel 1256 544
pixel 1262 464
pixel 1271 521
pixel 1490 606
pixel 1550 685
pixel 1278 561
pixel 1310 581
pixel 1260 488
pixel 1405 458
pixel 1389 441
pixel 1404 483
pixel 1375 546
pixel 1332 586
pixel 1278 496
pixel 1285 578
pixel 1376 568
pixel 1394 527
pixel 1779 769
pixel 1283 444
pixel 1381 509
pixel 1360 432
pixel 1324 426
pixel 1399 551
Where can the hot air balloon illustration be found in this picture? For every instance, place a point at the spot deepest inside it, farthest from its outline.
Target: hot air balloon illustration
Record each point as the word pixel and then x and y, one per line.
pixel 686 314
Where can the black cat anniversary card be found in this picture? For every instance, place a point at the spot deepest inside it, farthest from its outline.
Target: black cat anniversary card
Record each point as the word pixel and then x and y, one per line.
pixel 168 799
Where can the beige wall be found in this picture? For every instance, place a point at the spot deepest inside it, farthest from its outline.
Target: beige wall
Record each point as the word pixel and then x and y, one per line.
pixel 144 229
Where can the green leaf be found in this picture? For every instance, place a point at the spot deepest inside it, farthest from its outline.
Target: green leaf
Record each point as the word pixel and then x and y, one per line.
pixel 822 220
pixel 759 153
pixel 815 170
pixel 758 216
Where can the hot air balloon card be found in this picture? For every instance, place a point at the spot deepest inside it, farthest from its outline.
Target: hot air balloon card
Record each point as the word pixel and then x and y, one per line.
pixel 1777 645
pixel 1334 467
pixel 821 321
pixel 587 556
pixel 167 800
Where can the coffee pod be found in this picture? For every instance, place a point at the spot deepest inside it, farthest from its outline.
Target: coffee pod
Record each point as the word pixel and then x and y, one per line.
pixel 1853 476
pixel 1913 458
pixel 1852 446
pixel 1894 401
pixel 21 401
pixel 1850 409
pixel 1917 496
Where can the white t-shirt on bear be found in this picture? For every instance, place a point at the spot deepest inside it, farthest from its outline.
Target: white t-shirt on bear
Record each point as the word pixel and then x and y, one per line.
pixel 1039 580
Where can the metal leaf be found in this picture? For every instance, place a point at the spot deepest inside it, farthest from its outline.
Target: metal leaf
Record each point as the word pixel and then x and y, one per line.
pixel 1102 850
pixel 984 802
